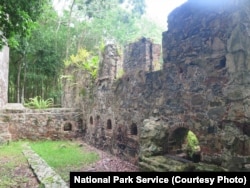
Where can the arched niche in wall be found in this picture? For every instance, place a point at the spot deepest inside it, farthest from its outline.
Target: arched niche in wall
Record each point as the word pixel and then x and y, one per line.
pixel 109 124
pixel 121 136
pixel 67 127
pixel 133 129
pixel 91 121
pixel 97 123
pixel 184 143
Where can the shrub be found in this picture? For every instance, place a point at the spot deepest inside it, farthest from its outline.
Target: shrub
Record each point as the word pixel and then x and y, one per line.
pixel 39 103
pixel 192 144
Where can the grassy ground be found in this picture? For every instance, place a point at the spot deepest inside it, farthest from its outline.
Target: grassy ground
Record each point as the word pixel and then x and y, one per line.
pixel 14 170
pixel 62 156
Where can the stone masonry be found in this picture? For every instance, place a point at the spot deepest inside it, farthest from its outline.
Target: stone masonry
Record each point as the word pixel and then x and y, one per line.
pixel 54 124
pixel 143 115
pixel 45 174
pixel 4 73
pixel 203 87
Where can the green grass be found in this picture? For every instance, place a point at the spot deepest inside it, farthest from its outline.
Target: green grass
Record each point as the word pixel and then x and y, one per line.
pixel 64 156
pixel 11 159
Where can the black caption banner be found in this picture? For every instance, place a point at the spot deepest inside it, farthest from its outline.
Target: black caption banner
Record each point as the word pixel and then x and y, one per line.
pixel 166 179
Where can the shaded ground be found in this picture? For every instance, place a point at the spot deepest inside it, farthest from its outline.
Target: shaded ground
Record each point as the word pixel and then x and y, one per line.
pixel 22 176
pixel 18 177
pixel 109 163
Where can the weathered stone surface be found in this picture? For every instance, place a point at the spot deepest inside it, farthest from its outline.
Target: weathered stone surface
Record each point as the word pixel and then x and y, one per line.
pixel 141 55
pixel 45 174
pixel 153 137
pixel 203 87
pixel 17 122
pixel 4 73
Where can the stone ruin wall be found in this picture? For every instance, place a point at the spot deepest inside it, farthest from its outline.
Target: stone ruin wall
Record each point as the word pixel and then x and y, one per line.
pixel 202 87
pixel 53 124
pixel 206 61
pixel 143 55
pixel 4 73
pixel 110 113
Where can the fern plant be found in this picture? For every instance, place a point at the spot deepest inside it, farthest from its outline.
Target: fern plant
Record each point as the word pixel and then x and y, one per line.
pixel 39 103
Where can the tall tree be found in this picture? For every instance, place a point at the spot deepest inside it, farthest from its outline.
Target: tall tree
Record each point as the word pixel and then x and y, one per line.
pixel 37 63
pixel 17 18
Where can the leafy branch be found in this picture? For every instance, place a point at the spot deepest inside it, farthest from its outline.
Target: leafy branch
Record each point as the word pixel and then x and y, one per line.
pixel 85 61
pixel 39 103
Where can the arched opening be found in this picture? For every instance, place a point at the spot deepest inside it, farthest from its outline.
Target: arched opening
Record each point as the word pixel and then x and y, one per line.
pixel 121 137
pixel 109 124
pixel 97 123
pixel 91 120
pixel 133 129
pixel 184 143
pixel 67 127
pixel 97 117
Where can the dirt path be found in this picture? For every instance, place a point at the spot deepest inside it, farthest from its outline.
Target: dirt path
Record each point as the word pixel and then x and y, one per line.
pixel 108 163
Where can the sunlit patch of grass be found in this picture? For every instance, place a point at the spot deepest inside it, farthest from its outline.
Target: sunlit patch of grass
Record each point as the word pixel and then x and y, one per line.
pixel 64 156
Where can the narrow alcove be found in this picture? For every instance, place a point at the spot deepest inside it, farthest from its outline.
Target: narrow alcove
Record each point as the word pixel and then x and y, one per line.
pixel 133 129
pixel 67 127
pixel 91 120
pixel 109 124
pixel 183 143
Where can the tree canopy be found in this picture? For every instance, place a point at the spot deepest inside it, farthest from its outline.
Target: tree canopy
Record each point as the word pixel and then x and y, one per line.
pixel 41 39
pixel 17 18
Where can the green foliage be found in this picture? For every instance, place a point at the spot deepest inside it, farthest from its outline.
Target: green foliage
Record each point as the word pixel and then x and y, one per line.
pixel 83 92
pixel 18 18
pixel 120 73
pixel 192 143
pixel 102 46
pixel 39 103
pixel 84 60
pixel 63 156
pixel 69 78
pixel 37 61
pixel 12 158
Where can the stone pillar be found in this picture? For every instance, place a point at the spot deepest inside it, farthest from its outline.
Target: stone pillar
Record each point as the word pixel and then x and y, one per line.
pixel 110 63
pixel 141 55
pixel 4 73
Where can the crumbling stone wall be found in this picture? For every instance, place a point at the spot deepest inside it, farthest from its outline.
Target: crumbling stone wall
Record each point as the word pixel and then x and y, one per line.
pixel 112 114
pixel 4 73
pixel 206 60
pixel 54 124
pixel 110 63
pixel 203 87
pixel 141 55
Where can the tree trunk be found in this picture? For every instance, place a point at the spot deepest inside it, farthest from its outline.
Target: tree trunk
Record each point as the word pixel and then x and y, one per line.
pixel 68 32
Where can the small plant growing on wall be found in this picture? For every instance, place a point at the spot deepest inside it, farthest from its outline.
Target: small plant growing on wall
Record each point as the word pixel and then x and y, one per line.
pixel 39 103
pixel 85 61
pixel 120 73
pixel 192 144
